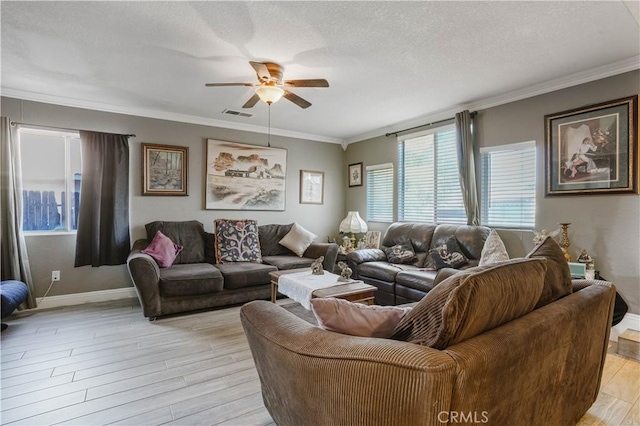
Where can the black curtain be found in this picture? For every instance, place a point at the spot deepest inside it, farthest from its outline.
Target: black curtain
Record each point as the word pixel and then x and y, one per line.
pixel 103 223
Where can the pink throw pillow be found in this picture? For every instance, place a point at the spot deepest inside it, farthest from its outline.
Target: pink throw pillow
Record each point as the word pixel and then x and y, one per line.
pixel 356 319
pixel 163 250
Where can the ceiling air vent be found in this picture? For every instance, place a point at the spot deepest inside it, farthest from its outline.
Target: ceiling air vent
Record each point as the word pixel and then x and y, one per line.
pixel 238 113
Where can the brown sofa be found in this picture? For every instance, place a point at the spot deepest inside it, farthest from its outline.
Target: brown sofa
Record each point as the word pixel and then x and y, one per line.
pixel 399 284
pixel 543 368
pixel 195 281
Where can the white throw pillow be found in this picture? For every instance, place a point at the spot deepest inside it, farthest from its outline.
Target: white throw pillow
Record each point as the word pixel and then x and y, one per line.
pixel 494 250
pixel 298 239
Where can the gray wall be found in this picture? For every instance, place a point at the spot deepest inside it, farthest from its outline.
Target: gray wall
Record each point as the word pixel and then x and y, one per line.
pixel 56 252
pixel 608 226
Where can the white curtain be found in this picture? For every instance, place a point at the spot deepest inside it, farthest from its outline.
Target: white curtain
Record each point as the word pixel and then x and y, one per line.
pixel 15 261
pixel 467 167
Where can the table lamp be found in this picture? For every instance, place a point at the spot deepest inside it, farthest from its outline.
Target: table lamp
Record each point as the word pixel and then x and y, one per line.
pixel 353 224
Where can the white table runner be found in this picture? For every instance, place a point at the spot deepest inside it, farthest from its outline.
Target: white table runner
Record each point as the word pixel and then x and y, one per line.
pixel 300 286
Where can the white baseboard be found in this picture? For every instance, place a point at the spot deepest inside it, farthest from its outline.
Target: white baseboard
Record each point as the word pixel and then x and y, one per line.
pixel 631 321
pixel 88 297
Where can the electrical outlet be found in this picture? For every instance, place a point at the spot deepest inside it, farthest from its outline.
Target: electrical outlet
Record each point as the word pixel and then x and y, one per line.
pixel 55 275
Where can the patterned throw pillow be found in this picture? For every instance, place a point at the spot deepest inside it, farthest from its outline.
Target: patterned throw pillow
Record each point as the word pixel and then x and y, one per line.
pixel 400 253
pixel 236 240
pixel 493 250
pixel 448 255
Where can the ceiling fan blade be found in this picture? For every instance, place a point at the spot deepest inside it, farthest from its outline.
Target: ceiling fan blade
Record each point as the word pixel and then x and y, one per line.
pixel 261 70
pixel 228 84
pixel 296 99
pixel 318 82
pixel 252 101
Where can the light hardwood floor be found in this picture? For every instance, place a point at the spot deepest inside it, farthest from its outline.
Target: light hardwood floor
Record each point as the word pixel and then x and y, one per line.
pixel 106 364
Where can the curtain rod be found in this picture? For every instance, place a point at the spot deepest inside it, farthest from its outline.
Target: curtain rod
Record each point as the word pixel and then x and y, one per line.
pixel 13 123
pixel 472 113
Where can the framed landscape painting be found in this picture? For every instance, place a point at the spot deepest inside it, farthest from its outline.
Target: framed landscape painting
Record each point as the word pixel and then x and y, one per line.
pixel 245 177
pixel 593 149
pixel 164 169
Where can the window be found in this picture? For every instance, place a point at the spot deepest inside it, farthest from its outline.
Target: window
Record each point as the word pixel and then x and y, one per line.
pixel 428 180
pixel 51 174
pixel 509 186
pixel 380 193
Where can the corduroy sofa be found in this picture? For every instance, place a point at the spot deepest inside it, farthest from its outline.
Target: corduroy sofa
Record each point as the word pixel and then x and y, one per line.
pixel 542 368
pixel 195 281
pixel 405 283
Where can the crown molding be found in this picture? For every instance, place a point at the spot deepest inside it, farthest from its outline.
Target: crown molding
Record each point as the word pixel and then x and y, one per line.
pixel 581 77
pixel 161 115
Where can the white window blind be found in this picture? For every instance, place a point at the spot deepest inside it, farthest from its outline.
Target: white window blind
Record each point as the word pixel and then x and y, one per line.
pixel 509 186
pixel 428 179
pixel 380 193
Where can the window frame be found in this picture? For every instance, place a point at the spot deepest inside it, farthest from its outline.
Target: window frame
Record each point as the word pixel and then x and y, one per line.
pixel 435 165
pixel 485 185
pixel 67 135
pixel 374 168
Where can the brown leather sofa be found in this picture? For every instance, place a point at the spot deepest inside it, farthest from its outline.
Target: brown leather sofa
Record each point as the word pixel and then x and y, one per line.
pixel 195 281
pixel 543 368
pixel 399 284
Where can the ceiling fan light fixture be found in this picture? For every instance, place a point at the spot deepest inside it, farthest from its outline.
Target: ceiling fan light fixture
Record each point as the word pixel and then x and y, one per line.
pixel 269 94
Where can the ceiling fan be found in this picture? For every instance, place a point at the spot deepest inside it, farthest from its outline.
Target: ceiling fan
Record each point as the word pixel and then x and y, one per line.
pixel 271 87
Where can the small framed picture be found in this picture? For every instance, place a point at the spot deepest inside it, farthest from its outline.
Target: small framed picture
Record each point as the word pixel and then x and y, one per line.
pixel 355 174
pixel 311 187
pixel 164 169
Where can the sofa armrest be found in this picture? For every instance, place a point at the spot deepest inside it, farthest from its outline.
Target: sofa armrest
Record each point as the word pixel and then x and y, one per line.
pixel 145 274
pixel 328 250
pixel 443 274
pixel 361 380
pixel 357 257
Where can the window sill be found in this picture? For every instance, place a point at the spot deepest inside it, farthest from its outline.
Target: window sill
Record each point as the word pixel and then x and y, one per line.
pixel 47 233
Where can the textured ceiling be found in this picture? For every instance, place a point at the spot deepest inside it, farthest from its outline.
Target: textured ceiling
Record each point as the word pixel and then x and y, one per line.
pixel 388 63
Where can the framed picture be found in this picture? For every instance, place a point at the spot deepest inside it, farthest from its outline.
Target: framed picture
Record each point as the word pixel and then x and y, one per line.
pixel 165 169
pixel 245 177
pixel 311 187
pixel 372 239
pixel 355 174
pixel 593 150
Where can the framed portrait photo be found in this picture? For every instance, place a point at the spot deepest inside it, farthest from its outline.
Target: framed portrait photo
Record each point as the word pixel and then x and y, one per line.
pixel 311 187
pixel 593 149
pixel 355 174
pixel 165 170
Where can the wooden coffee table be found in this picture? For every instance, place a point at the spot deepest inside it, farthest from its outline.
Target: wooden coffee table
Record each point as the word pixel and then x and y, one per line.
pixel 353 291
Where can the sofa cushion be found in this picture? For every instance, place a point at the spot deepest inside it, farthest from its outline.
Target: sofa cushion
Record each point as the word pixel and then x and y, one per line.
pixel 384 271
pixel 237 240
pixel 245 274
pixel 400 253
pixel 270 235
pixel 162 250
pixel 188 234
pixel 494 250
pixel 288 262
pixel 190 280
pixel 298 239
pixel 473 301
pixel 419 280
pixel 448 255
pixel 470 238
pixel 417 234
pixel 557 281
pixel 356 319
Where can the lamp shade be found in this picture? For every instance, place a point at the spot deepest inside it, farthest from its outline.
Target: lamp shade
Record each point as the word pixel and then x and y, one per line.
pixel 353 223
pixel 269 94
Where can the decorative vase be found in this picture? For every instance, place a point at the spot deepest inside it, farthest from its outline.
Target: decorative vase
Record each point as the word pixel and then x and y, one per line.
pixel 564 241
